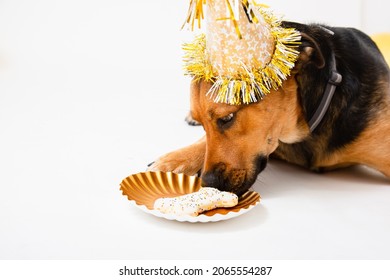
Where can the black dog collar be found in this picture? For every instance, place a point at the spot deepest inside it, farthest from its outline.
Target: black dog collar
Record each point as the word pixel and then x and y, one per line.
pixel 334 80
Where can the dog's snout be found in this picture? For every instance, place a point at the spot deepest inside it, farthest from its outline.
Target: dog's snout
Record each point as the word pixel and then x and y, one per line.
pixel 236 180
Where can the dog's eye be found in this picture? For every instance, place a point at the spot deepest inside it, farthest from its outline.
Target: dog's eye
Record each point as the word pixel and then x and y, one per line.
pixel 227 118
pixel 225 121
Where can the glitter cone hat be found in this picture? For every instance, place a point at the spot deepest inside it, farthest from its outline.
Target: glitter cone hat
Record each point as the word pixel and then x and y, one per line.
pixel 245 52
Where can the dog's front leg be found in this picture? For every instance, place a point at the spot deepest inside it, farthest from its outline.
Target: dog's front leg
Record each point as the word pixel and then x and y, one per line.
pixel 188 160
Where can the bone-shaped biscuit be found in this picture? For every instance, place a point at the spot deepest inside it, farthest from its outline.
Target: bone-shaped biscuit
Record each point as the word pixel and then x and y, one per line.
pixel 195 203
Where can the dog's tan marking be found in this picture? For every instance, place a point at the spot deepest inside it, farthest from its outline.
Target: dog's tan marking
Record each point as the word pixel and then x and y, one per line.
pixel 366 149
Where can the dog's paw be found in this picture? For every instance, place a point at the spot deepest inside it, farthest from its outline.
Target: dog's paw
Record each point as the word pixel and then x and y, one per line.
pixel 190 120
pixel 188 160
pixel 173 162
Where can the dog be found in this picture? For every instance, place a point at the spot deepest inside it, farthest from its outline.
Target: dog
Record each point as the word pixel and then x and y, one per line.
pixel 294 123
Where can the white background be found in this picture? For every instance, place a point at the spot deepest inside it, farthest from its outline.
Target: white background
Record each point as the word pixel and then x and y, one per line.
pixel 92 91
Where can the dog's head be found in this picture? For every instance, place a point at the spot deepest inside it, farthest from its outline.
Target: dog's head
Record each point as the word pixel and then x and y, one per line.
pixel 241 137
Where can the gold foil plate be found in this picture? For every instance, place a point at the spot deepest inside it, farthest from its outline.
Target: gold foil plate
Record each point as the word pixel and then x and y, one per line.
pixel 144 188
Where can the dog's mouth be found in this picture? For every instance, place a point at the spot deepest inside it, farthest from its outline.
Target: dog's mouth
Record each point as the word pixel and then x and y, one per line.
pixel 237 181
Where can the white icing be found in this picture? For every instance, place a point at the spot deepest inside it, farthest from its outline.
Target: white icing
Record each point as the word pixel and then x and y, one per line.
pixel 194 203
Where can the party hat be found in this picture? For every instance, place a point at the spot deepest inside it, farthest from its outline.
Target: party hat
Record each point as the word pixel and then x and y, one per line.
pixel 245 51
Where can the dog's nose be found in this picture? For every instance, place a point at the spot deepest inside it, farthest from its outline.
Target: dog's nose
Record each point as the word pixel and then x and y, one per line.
pixel 213 180
pixel 209 180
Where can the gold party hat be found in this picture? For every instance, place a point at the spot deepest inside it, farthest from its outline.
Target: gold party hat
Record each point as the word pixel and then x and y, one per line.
pixel 245 52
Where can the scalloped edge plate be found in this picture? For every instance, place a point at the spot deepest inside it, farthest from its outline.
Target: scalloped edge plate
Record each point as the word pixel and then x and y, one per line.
pixel 142 189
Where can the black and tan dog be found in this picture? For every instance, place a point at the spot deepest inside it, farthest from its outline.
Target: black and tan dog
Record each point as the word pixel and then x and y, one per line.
pixel 288 123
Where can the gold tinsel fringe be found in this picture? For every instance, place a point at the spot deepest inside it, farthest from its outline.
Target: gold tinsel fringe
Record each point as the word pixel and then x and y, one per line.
pixel 249 84
pixel 196 13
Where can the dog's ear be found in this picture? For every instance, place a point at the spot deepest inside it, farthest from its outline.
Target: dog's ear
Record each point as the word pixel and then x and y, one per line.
pixel 310 52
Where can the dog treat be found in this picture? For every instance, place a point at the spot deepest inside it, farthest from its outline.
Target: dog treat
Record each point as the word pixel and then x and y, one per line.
pixel 195 203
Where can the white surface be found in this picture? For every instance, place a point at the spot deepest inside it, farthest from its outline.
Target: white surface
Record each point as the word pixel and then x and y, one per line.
pixel 86 100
